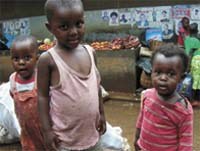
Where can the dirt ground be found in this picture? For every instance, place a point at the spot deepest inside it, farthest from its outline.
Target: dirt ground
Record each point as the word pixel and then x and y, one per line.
pixel 124 114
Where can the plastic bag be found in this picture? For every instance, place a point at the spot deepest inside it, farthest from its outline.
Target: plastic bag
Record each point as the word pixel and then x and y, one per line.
pixel 9 125
pixel 145 64
pixel 113 140
pixel 185 87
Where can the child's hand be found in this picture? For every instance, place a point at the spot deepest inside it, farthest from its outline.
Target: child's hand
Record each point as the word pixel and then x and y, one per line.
pixel 50 141
pixel 137 148
pixel 102 125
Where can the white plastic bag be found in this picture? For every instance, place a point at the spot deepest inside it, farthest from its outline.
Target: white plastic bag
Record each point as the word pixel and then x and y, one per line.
pixel 113 140
pixel 9 125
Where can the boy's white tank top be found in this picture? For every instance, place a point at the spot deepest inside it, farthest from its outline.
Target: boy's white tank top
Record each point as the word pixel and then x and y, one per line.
pixel 74 105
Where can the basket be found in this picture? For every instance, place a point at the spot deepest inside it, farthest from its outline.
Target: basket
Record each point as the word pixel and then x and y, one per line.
pixel 145 80
pixel 154 44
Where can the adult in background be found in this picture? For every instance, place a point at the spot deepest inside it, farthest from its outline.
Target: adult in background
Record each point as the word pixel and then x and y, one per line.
pixel 183 31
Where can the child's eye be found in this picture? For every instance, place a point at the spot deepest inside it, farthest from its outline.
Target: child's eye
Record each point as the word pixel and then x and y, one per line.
pixel 27 58
pixel 170 74
pixel 157 72
pixel 64 27
pixel 15 58
pixel 80 24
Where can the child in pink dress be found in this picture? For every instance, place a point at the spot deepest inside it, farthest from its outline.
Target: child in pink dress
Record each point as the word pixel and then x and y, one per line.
pixel 24 92
pixel 165 122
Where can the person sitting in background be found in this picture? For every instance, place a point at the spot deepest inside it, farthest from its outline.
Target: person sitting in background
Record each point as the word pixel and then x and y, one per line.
pixel 183 31
pixel 165 121
pixel 23 90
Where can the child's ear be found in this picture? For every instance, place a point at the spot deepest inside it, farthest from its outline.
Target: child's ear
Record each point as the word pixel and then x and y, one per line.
pixel 183 75
pixel 48 26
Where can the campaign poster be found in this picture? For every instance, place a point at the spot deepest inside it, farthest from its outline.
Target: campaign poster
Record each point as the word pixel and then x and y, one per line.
pixel 167 30
pixel 143 17
pixel 105 15
pixel 17 27
pixel 153 34
pixel 195 12
pixel 114 17
pixel 125 16
pixel 162 14
pixel 180 11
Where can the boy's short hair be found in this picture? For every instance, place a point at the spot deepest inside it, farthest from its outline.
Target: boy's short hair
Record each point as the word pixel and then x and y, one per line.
pixel 52 5
pixel 25 38
pixel 194 28
pixel 170 50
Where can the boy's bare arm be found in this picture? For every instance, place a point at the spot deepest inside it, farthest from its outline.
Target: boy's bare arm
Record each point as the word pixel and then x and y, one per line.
pixel 102 124
pixel 43 84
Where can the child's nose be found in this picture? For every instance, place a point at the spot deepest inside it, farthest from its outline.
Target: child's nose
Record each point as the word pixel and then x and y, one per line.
pixel 21 61
pixel 73 30
pixel 163 76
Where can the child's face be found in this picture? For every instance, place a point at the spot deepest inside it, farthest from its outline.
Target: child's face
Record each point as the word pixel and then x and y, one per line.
pixel 166 74
pixel 67 25
pixel 24 58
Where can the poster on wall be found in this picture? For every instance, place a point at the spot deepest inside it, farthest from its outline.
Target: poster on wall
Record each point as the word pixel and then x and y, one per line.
pixel 17 27
pixel 114 17
pixel 143 17
pixel 180 11
pixel 153 34
pixel 105 15
pixel 125 17
pixel 163 14
pixel 195 12
pixel 133 15
pixel 167 30
pixel 13 28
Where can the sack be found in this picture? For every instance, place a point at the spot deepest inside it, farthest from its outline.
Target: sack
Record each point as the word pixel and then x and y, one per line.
pixel 145 80
pixel 9 126
pixel 185 87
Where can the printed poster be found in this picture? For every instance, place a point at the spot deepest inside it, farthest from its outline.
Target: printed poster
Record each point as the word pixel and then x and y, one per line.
pixel 114 17
pixel 143 17
pixel 180 11
pixel 195 12
pixel 167 30
pixel 17 27
pixel 125 17
pixel 162 14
